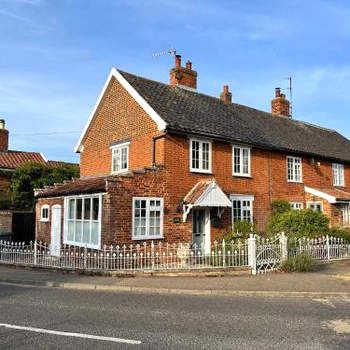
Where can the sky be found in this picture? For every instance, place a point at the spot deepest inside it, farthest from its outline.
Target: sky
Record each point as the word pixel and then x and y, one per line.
pixel 55 56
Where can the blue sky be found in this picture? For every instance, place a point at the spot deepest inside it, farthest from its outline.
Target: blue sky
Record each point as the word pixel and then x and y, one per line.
pixel 56 54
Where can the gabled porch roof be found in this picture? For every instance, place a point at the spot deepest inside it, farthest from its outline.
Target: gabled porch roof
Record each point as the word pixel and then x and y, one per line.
pixel 205 194
pixel 332 195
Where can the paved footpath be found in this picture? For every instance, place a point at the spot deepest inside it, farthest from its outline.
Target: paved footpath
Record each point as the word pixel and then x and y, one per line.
pixel 330 280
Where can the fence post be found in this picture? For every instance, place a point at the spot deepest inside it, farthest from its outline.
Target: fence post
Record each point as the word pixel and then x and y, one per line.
pixel 35 251
pixel 284 247
pixel 85 257
pixel 252 253
pixel 328 247
pixel 223 254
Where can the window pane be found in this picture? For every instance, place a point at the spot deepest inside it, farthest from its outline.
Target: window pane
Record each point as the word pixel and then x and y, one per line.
pixel 116 160
pixel 195 154
pixel 205 156
pixel 245 161
pixel 94 233
pixel 124 158
pixel 70 236
pixel 95 208
pixel 86 232
pixel 78 233
pixel 71 208
pixel 79 208
pixel 237 160
pixel 87 208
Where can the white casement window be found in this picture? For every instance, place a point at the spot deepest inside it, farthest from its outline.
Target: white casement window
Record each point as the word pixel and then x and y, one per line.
pixel 120 158
pixel 147 218
pixel 45 213
pixel 338 174
pixel 294 169
pixel 296 205
pixel 200 156
pixel 242 208
pixel 82 220
pixel 315 206
pixel 240 161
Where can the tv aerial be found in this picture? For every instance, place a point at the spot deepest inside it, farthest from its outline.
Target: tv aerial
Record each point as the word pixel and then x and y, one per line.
pixel 171 52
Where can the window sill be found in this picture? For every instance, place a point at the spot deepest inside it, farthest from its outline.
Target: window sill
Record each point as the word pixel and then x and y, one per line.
pixel 44 220
pixel 242 175
pixel 146 238
pixel 75 244
pixel 200 171
pixel 341 186
pixel 124 171
pixel 295 182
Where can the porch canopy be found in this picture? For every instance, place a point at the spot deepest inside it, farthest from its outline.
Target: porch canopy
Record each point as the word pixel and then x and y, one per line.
pixel 332 195
pixel 207 194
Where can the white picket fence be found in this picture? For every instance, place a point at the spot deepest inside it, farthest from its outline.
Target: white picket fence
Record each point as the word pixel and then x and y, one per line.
pixel 259 254
pixel 125 258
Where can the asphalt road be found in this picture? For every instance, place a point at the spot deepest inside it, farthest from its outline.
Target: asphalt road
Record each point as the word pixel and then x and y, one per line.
pixel 167 321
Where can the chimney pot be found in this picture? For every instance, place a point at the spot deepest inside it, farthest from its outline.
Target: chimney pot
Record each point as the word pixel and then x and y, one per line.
pixel 183 76
pixel 280 105
pixel 178 61
pixel 4 137
pixel 226 95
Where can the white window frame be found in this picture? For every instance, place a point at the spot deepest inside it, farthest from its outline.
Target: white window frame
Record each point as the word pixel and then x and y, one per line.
pixel 338 175
pixel 200 169
pixel 293 169
pixel 345 215
pixel 147 236
pixel 120 147
pixel 42 218
pixel 308 204
pixel 241 164
pixel 66 216
pixel 297 205
pixel 241 198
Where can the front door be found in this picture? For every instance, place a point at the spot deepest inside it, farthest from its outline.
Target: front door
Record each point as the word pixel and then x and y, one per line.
pixel 345 214
pixel 201 229
pixel 55 230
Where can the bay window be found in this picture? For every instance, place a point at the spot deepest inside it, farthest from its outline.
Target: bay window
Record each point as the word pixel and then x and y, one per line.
pixel 147 218
pixel 82 221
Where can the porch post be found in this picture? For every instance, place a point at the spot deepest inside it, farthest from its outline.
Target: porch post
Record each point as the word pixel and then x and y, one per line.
pixel 252 253
pixel 284 247
pixel 328 247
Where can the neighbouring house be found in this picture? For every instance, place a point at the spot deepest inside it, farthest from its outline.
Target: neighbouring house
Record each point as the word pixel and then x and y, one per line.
pixel 16 221
pixel 165 162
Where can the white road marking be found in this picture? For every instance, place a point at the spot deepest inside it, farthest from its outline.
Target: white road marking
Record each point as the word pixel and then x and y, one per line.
pixel 69 334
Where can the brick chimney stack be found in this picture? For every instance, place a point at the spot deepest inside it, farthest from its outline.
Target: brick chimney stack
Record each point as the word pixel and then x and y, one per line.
pixel 183 76
pixel 280 105
pixel 226 95
pixel 4 137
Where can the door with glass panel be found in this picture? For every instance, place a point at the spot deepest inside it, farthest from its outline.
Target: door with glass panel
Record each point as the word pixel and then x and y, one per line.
pixel 345 214
pixel 55 230
pixel 201 229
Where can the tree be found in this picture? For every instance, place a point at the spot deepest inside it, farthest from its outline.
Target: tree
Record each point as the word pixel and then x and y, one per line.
pixel 36 175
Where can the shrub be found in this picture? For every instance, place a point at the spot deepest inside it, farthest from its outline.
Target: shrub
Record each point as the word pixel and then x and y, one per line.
pixel 280 206
pixel 340 233
pixel 241 229
pixel 300 263
pixel 299 223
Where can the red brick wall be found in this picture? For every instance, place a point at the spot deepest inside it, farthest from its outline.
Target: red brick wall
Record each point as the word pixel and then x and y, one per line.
pixel 119 116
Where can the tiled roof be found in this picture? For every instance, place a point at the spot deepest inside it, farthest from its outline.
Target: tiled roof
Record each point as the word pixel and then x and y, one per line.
pixel 81 186
pixel 15 159
pixel 57 163
pixel 196 192
pixel 191 112
pixel 335 192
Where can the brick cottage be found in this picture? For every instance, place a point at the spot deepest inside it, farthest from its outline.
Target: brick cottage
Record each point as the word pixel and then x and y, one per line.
pixel 165 162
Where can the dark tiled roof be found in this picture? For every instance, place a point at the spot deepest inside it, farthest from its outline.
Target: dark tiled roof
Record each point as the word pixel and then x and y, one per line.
pixel 81 186
pixel 15 159
pixel 191 112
